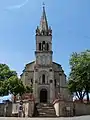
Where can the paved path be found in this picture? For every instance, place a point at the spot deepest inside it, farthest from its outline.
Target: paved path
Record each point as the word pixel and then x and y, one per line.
pixel 61 118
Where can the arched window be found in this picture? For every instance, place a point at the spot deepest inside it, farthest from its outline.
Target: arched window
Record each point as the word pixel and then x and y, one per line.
pixel 39 46
pixel 43 78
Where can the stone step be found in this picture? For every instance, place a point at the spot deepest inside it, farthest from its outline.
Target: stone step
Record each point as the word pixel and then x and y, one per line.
pixel 47 115
pixel 45 105
pixel 51 112
pixel 38 107
pixel 42 113
pixel 46 110
pixel 41 105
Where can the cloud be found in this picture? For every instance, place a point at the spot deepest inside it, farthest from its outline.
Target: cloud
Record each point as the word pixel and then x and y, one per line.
pixel 18 6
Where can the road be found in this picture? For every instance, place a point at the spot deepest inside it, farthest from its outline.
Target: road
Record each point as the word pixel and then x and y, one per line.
pixel 61 118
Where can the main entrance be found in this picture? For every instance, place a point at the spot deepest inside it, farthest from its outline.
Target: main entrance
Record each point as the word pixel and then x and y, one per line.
pixel 43 96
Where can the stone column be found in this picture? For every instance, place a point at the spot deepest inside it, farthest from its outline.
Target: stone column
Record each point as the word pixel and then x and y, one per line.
pixel 61 83
pixel 52 88
pixel 51 91
pixel 35 86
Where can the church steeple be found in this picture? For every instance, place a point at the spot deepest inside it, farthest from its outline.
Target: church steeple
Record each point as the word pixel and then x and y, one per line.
pixel 43 28
pixel 43 22
pixel 43 36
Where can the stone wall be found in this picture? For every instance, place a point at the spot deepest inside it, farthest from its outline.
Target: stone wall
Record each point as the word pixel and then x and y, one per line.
pixel 28 108
pixel 6 109
pixel 11 109
pixel 70 108
pixel 63 108
pixel 1 110
pixel 81 108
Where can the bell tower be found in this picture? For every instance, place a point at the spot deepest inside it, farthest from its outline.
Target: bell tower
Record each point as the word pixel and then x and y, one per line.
pixel 43 51
pixel 43 72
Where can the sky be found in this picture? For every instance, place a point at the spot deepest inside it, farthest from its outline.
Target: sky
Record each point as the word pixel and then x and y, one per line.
pixel 70 22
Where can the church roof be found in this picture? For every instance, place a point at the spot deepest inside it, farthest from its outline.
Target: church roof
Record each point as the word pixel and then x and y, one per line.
pixel 57 64
pixel 30 63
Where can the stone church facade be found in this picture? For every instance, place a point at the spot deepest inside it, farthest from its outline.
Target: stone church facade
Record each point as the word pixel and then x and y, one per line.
pixel 46 77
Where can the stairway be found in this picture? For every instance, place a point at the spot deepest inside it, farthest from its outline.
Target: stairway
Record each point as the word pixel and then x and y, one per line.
pixel 45 110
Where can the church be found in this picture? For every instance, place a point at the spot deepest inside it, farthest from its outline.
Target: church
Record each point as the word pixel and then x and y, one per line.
pixel 47 77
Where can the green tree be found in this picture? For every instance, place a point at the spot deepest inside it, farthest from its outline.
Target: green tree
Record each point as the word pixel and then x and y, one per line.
pixel 9 81
pixel 3 88
pixel 15 85
pixel 29 89
pixel 5 72
pixel 79 77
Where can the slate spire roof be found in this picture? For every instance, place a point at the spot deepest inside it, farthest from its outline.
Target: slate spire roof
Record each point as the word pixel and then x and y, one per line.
pixel 43 22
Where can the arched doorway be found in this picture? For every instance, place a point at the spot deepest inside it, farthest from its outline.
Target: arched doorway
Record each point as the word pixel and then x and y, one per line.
pixel 43 96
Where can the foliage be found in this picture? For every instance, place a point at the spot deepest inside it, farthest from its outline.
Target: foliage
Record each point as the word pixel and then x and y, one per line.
pixel 9 81
pixel 29 89
pixel 79 78
pixel 5 72
pixel 15 85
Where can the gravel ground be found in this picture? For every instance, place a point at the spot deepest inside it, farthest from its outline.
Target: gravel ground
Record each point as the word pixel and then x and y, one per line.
pixel 61 118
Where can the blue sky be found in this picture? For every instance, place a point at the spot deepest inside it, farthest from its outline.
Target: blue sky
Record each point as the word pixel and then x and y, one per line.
pixel 69 19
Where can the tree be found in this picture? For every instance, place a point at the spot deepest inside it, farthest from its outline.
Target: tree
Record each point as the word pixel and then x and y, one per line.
pixel 15 85
pixel 5 72
pixel 9 82
pixel 79 77
pixel 12 85
pixel 2 89
pixel 29 89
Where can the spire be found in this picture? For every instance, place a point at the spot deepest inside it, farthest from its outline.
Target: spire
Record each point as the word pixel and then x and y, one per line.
pixel 43 22
pixel 43 28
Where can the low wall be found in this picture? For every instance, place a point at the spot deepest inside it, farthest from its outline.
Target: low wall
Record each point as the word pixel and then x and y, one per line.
pixel 63 108
pixel 1 110
pixel 11 109
pixel 70 108
pixel 81 108
pixel 6 109
pixel 28 108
